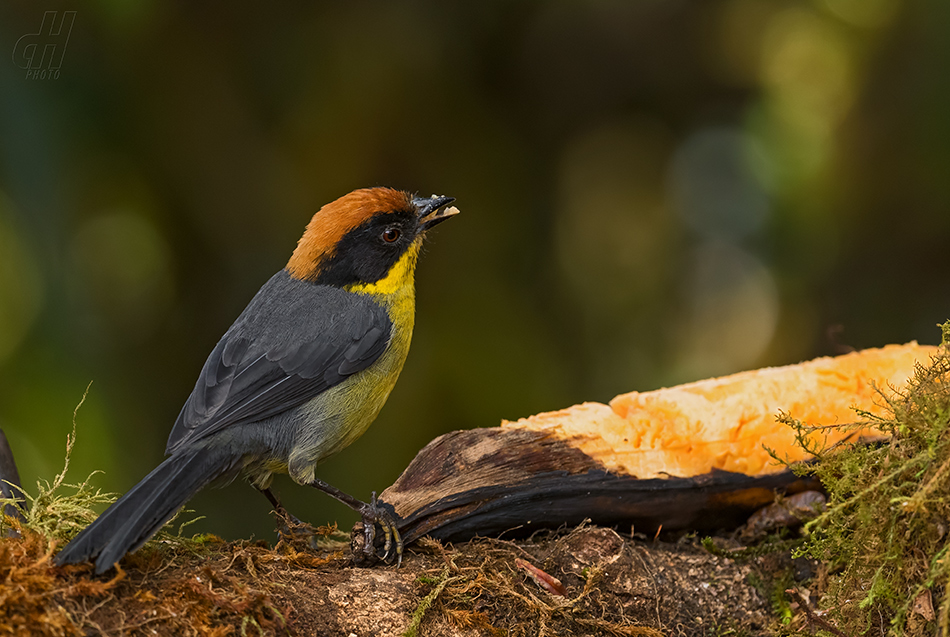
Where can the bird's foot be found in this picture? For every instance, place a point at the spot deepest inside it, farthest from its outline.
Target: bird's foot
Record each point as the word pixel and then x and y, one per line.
pixel 372 515
pixel 363 544
pixel 291 529
pixel 294 531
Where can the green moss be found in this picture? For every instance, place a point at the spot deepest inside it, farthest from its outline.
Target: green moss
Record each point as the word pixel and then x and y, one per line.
pixel 885 533
pixel 781 606
pixel 59 510
pixel 773 543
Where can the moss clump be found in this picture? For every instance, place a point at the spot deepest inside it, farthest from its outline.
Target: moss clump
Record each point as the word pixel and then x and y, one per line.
pixel 484 589
pixel 885 533
pixel 60 509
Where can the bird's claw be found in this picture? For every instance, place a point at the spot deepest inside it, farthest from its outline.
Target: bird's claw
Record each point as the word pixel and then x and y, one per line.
pixel 373 515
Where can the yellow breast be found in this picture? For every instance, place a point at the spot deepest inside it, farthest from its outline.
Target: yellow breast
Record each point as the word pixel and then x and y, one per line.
pixel 345 411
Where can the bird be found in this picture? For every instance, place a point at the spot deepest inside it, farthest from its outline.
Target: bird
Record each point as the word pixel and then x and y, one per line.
pixel 299 376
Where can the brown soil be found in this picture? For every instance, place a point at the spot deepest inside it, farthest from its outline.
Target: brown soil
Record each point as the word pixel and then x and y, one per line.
pixel 611 584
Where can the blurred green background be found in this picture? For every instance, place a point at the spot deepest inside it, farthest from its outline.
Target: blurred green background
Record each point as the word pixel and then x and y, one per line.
pixel 652 191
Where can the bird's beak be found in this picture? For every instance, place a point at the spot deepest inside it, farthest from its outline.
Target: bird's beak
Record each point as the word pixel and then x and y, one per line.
pixel 433 210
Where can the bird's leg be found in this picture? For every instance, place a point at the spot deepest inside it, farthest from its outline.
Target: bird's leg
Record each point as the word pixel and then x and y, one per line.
pixel 285 514
pixel 372 515
pixel 274 502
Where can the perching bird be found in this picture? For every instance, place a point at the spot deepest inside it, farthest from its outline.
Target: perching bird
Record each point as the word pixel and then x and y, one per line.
pixel 300 374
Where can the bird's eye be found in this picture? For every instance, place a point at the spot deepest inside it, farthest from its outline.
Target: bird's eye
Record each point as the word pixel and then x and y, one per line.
pixel 390 234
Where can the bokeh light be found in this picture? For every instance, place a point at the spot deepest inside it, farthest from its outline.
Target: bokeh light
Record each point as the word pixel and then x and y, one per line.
pixel 731 311
pixel 714 186
pixel 122 273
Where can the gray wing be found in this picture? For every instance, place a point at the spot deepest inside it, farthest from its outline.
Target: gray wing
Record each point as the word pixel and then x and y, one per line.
pixel 293 341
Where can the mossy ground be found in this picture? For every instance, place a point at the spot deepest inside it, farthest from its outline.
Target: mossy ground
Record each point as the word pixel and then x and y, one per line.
pixel 883 538
pixel 612 586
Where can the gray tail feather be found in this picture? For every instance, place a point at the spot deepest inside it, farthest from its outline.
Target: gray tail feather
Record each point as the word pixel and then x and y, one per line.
pixel 140 513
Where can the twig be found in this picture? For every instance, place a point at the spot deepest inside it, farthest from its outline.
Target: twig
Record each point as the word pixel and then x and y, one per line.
pixel 811 616
pixel 419 614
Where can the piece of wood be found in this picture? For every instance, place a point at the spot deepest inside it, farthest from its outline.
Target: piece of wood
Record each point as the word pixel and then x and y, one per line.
pixel 489 481
pixel 723 423
pixel 684 457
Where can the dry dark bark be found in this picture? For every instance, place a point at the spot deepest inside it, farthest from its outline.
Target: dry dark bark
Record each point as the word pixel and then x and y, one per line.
pixel 489 481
